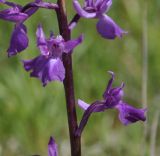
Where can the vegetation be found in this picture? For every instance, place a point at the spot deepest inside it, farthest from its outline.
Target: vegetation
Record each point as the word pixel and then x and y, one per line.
pixel 30 113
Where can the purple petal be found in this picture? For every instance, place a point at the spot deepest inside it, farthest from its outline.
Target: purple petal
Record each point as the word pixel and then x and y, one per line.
pixel 109 85
pixel 71 44
pixel 13 14
pixel 41 41
pixel 52 147
pixel 105 6
pixel 129 114
pixel 97 106
pixel 81 11
pixel 35 65
pixel 19 40
pixel 108 28
pixel 56 70
pixel 45 69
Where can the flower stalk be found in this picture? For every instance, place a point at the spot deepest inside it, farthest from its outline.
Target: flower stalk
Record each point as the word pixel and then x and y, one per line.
pixel 68 81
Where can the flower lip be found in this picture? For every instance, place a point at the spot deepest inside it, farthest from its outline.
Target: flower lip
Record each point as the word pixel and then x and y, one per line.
pixel 118 91
pixel 13 14
pixel 56 46
pixel 108 29
pixel 113 96
pixel 45 69
pixel 129 114
pixel 113 93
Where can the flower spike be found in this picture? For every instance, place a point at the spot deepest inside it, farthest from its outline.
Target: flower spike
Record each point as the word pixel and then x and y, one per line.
pixel 129 114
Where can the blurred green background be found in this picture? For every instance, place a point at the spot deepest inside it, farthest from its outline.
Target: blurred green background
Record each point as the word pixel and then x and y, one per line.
pixel 30 113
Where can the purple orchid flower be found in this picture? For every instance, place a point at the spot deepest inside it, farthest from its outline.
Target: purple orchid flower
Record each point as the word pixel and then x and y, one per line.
pixel 52 147
pixel 18 14
pixel 112 98
pixel 48 66
pixel 106 27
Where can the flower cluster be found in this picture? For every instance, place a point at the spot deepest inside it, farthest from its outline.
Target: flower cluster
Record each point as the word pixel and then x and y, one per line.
pixel 112 99
pixel 48 65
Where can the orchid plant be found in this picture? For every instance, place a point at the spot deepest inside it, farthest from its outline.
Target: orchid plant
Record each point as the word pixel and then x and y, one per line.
pixel 54 63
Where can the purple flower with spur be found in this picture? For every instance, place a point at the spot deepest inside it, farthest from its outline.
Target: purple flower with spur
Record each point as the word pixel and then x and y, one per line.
pixel 52 147
pixel 106 27
pixel 112 98
pixel 18 14
pixel 48 66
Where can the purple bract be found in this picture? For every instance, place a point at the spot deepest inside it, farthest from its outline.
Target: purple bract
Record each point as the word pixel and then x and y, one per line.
pixel 106 27
pixel 48 66
pixel 112 99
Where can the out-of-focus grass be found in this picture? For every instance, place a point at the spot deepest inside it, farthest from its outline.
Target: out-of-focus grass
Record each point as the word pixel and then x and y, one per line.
pixel 29 113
